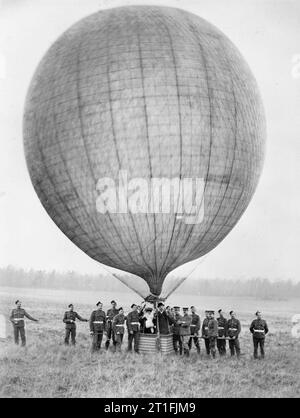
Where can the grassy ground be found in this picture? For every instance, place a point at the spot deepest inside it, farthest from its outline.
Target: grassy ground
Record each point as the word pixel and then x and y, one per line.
pixel 46 368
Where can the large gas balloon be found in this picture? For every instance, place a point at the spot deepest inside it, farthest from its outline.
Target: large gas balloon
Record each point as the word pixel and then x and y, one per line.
pixel 144 137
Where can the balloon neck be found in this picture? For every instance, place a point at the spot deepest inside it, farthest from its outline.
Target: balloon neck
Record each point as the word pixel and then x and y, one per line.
pixel 151 298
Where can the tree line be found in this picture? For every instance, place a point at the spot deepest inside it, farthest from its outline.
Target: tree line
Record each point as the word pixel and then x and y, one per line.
pixel 254 287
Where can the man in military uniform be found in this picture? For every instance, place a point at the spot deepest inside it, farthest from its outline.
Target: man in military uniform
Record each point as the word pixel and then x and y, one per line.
pixel 97 326
pixel 133 328
pixel 111 313
pixel 185 331
pixel 176 330
pixel 69 319
pixel 195 327
pixel 233 331
pixel 212 333
pixel 118 325
pixel 204 332
pixel 17 319
pixel 259 330
pixel 222 333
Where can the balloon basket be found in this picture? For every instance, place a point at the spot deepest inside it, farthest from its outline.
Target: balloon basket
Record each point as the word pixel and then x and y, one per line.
pixel 153 344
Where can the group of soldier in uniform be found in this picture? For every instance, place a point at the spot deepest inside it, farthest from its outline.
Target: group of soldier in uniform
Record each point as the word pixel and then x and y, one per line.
pixel 185 327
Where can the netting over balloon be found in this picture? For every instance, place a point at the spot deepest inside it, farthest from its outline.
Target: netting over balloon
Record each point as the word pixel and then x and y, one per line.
pixel 159 93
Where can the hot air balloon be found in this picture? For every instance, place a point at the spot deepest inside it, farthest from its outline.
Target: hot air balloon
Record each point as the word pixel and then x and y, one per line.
pixel 135 95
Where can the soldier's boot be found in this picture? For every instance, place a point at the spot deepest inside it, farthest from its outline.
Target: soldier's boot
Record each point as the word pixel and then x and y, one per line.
pixel 107 344
pixel 198 349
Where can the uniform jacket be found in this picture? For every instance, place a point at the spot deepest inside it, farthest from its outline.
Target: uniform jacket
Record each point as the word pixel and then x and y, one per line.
pixel 111 313
pixel 222 327
pixel 185 326
pixel 212 328
pixel 97 321
pixel 259 328
pixel 195 324
pixel 204 330
pixel 233 327
pixel 133 321
pixel 70 317
pixel 176 326
pixel 118 324
pixel 17 317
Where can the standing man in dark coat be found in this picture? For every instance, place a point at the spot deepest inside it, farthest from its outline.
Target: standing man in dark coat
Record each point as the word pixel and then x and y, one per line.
pixel 212 332
pixel 111 313
pixel 69 319
pixel 195 327
pixel 133 328
pixel 97 326
pixel 222 333
pixel 233 330
pixel 204 332
pixel 118 325
pixel 17 319
pixel 177 342
pixel 259 330
pixel 163 320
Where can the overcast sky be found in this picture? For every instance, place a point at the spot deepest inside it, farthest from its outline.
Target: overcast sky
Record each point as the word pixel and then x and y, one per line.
pixel 266 240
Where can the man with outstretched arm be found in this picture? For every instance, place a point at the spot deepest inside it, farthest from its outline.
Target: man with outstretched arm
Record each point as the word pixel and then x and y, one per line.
pixel 69 319
pixel 17 319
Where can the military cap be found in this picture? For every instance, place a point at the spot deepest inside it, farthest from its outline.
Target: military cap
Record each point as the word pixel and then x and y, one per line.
pixel 113 301
pixel 98 303
pixel 148 309
pixel 133 305
pixel 176 307
pixel 192 306
pixel 230 312
pixel 210 311
pixel 120 308
pixel 160 304
pixel 185 309
pixel 17 301
pixel 257 312
pixel 220 310
pixel 71 304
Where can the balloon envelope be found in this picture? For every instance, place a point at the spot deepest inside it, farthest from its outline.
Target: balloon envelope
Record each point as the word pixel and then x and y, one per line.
pixel 137 93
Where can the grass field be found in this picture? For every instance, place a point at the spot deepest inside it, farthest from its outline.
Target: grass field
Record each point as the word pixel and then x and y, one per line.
pixel 46 368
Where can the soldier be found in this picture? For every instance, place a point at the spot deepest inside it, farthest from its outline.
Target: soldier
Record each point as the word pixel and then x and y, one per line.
pixel 233 330
pixel 204 332
pixel 111 313
pixel 97 326
pixel 17 319
pixel 69 319
pixel 176 331
pixel 185 331
pixel 133 327
pixel 195 327
pixel 259 329
pixel 222 333
pixel 118 325
pixel 212 332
